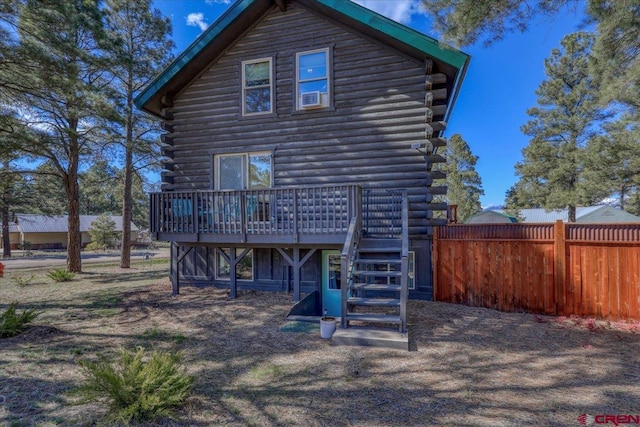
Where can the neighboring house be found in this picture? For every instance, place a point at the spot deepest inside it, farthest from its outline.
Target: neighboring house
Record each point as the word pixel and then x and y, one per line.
pixel 50 231
pixel 296 132
pixel 586 214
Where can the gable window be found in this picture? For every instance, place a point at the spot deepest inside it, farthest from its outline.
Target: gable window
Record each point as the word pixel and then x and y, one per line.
pixel 243 171
pixel 313 84
pixel 257 90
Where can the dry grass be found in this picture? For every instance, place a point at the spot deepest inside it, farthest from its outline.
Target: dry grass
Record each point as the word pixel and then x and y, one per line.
pixel 469 366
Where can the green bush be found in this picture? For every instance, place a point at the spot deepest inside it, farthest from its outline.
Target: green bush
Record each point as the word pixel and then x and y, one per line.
pixel 23 281
pixel 61 275
pixel 139 388
pixel 12 323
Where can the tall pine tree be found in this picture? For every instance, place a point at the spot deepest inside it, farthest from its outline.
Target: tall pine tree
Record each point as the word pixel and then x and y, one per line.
pixel 566 117
pixel 61 92
pixel 140 50
pixel 464 185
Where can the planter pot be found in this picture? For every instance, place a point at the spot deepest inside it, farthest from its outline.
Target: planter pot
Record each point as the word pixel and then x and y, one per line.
pixel 327 327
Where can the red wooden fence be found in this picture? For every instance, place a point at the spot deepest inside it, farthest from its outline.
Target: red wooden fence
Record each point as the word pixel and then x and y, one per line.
pixel 557 269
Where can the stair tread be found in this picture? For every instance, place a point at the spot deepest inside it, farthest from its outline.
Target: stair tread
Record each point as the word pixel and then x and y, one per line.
pixel 378 260
pixel 377 318
pixel 376 287
pixel 387 302
pixel 381 249
pixel 377 273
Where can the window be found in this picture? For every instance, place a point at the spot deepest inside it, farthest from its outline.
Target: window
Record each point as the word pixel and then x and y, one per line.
pixel 244 268
pixel 243 171
pixel 312 79
pixel 257 93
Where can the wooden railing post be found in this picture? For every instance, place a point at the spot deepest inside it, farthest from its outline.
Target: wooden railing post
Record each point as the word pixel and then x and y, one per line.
pixel 560 266
pixel 295 215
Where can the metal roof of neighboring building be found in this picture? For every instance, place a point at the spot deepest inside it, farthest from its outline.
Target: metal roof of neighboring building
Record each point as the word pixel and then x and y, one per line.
pixel 31 223
pixel 595 214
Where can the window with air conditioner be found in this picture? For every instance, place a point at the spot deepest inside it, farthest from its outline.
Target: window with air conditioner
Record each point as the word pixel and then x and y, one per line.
pixel 313 79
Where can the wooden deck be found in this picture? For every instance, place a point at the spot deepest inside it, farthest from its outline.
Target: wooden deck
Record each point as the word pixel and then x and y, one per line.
pixel 291 215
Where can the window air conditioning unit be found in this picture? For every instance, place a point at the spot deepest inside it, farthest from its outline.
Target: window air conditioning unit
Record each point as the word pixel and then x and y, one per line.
pixel 310 99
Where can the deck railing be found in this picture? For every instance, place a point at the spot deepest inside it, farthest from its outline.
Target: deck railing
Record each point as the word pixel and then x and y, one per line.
pixel 382 213
pixel 290 210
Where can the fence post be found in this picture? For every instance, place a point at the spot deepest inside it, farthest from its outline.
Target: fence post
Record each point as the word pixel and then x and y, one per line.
pixel 434 260
pixel 560 267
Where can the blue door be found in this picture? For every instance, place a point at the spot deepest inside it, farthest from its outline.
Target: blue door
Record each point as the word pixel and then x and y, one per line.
pixel 331 286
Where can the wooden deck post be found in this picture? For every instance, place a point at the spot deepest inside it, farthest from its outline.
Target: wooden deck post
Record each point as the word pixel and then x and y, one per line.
pixel 174 273
pixel 560 267
pixel 233 281
pixel 296 274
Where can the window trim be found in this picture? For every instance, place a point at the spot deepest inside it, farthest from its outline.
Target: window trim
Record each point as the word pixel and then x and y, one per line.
pixel 244 88
pixel 225 279
pixel 326 104
pixel 245 166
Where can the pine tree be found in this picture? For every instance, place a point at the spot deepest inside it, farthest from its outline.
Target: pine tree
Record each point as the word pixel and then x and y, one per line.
pixel 565 119
pixel 613 162
pixel 103 233
pixel 59 83
pixel 464 185
pixel 141 49
pixel 616 55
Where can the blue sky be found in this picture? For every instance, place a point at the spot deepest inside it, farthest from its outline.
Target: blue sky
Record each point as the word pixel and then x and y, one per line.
pixel 498 89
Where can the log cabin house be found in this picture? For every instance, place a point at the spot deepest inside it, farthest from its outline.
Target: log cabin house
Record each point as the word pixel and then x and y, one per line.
pixel 300 139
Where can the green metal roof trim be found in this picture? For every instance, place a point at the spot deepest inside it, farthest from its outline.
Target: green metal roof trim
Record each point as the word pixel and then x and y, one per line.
pixel 407 35
pixel 185 57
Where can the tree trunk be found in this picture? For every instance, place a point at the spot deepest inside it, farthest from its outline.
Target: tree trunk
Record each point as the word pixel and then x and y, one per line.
pixel 572 214
pixel 72 189
pixel 125 251
pixel 6 243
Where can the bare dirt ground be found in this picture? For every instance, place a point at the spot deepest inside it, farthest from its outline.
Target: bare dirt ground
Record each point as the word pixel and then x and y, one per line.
pixel 468 367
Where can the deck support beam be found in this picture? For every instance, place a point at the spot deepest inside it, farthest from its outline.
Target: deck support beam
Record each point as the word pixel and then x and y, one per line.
pixel 296 263
pixel 233 259
pixel 174 272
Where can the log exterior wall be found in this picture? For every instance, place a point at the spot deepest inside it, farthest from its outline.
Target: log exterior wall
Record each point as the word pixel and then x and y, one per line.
pixel 383 101
pixel 555 269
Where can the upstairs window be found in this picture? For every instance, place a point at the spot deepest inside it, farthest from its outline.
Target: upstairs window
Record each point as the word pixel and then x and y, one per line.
pixel 257 87
pixel 313 84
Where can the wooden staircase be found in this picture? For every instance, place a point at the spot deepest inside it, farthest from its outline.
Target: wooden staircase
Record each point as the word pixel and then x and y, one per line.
pixel 375 295
pixel 375 264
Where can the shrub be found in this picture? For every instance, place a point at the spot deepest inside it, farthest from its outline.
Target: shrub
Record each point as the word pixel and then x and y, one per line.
pixel 139 388
pixel 61 275
pixel 12 323
pixel 23 281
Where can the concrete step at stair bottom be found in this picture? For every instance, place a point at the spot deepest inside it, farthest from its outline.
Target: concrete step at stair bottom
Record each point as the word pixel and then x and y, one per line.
pixel 381 302
pixel 371 337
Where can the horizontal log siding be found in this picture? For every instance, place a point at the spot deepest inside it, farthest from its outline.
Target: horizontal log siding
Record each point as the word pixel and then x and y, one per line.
pixel 379 111
pixel 561 269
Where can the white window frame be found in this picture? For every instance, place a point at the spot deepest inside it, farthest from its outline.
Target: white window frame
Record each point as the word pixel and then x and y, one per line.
pixel 245 167
pixel 324 97
pixel 219 256
pixel 245 88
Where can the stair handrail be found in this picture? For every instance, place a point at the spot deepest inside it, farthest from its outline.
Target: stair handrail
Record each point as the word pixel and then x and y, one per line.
pixel 346 265
pixel 404 265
